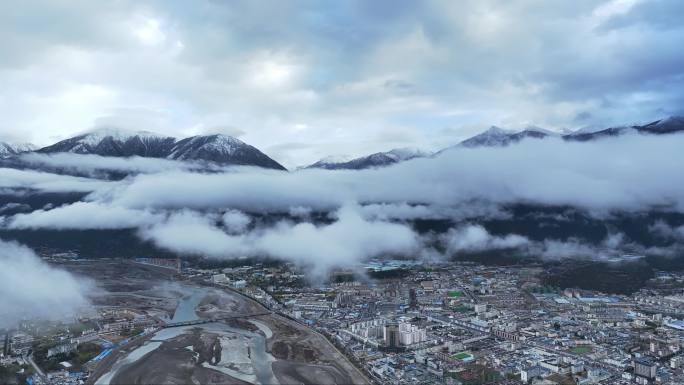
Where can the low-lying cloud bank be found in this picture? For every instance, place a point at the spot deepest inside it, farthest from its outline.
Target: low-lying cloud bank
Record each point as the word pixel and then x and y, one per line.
pixel 474 238
pixel 84 216
pixel 30 288
pixel 347 240
pixel 665 231
pixel 625 173
pixel 46 182
pixel 631 172
pixel 206 213
pixel 90 164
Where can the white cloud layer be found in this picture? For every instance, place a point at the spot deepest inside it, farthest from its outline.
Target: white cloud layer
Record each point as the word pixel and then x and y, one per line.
pixel 47 182
pixel 92 163
pixel 624 173
pixel 205 213
pixel 84 216
pixel 473 238
pixel 349 239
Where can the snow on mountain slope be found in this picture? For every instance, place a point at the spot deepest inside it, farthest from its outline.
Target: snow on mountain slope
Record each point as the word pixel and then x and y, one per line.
pixel 407 153
pixel 10 149
pixel 221 149
pixel 114 142
pixel 379 159
pixel 494 136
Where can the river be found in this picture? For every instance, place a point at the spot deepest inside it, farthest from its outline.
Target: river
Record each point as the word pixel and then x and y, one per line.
pixel 249 348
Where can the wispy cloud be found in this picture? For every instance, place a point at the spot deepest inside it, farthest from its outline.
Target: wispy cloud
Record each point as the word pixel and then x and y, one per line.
pixel 31 288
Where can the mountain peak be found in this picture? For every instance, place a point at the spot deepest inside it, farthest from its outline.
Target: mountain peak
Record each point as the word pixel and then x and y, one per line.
pixel 10 149
pixel 406 153
pixel 540 130
pixel 496 130
pixel 331 159
pixel 116 133
pixel 222 139
pixel 494 136
pixel 221 149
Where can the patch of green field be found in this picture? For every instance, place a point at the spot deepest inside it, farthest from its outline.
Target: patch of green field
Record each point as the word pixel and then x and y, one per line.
pixel 461 355
pixel 581 350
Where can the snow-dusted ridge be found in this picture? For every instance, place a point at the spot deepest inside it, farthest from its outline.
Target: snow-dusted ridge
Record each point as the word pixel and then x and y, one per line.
pixel 220 149
pixel 11 149
pixel 378 159
pixel 96 136
pixel 496 136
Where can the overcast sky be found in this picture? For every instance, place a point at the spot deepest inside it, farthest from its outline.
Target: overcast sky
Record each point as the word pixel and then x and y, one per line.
pixel 302 80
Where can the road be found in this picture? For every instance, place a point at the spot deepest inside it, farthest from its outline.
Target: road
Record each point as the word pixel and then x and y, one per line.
pixel 39 372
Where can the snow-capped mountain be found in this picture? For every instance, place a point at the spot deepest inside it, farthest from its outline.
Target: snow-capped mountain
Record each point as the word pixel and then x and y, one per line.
pixel 329 162
pixel 663 126
pixel 115 142
pixel 499 137
pixel 379 159
pixel 9 149
pixel 586 130
pixel 407 153
pixel 494 136
pixel 220 149
pixel 668 125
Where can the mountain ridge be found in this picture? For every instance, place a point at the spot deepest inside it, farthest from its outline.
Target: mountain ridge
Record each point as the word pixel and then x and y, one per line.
pixel 226 150
pixel 496 136
pixel 217 148
pixel 378 159
pixel 12 149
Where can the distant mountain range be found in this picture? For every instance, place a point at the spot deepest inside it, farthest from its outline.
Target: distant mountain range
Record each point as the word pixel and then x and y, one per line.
pixel 227 150
pixel 499 137
pixel 669 125
pixel 379 159
pixel 219 149
pixel 496 136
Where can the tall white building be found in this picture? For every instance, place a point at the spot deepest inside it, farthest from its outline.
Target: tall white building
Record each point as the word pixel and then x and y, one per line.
pixel 411 334
pixel 369 329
